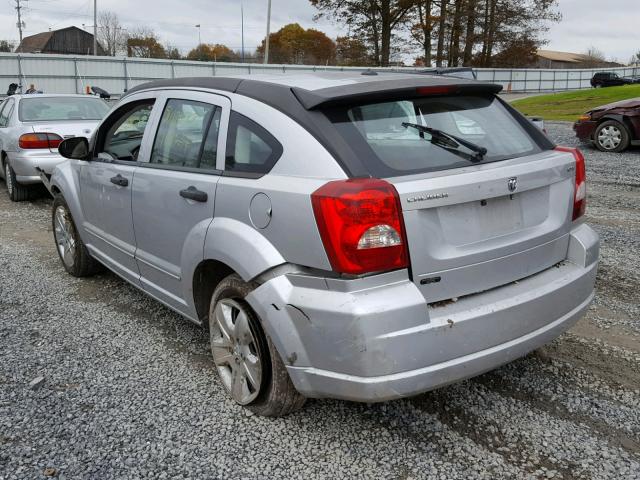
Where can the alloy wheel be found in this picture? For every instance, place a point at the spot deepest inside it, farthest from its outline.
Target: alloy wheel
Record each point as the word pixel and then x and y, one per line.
pixel 64 235
pixel 610 137
pixel 236 351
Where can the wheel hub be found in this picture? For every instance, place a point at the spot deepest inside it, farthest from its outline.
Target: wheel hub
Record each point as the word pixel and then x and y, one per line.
pixel 610 137
pixel 236 351
pixel 63 233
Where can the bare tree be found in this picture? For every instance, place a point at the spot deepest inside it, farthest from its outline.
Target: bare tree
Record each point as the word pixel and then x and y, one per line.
pixel 111 34
pixel 594 58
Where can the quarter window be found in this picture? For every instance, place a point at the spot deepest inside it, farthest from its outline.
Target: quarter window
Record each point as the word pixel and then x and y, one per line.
pixel 187 135
pixel 250 148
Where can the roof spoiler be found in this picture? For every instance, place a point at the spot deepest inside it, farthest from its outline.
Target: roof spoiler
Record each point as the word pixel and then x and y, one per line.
pixel 370 92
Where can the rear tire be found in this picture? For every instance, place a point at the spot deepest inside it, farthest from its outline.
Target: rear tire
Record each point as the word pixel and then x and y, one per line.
pixel 247 362
pixel 611 136
pixel 17 192
pixel 73 253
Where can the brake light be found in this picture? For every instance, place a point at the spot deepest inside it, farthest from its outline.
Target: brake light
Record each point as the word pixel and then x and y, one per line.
pixel 580 196
pixel 39 140
pixel 360 223
pixel 437 90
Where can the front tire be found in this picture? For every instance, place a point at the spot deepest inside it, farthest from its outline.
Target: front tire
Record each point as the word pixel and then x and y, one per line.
pixel 247 362
pixel 611 136
pixel 72 251
pixel 16 191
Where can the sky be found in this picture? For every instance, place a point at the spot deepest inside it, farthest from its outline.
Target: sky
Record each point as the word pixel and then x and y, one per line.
pixel 611 26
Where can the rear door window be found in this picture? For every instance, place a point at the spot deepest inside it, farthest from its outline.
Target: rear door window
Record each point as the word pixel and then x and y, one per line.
pixel 376 133
pixel 187 135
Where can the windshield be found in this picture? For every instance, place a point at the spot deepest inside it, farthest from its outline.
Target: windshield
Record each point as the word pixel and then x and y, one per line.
pixel 376 132
pixel 47 109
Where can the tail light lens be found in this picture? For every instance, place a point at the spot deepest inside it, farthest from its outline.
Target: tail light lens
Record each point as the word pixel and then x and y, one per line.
pixel 360 222
pixel 580 196
pixel 39 140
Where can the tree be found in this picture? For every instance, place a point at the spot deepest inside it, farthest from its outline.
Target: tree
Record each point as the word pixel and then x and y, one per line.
pixel 352 52
pixel 111 35
pixel 6 46
pixel 144 43
pixel 519 53
pixel 212 53
pixel 374 21
pixel 480 32
pixel 173 53
pixel 635 60
pixel 294 45
pixel 593 58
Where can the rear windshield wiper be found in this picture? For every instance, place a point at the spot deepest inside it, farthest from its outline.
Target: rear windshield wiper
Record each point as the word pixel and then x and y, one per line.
pixel 448 141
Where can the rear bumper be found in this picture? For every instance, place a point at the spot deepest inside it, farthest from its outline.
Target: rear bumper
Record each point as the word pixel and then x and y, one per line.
pixel 366 341
pixel 27 163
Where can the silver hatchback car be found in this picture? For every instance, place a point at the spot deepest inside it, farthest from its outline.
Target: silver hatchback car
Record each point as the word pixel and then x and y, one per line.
pixel 31 128
pixel 361 237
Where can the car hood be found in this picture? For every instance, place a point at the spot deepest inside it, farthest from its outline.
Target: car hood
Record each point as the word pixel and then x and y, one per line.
pixel 629 103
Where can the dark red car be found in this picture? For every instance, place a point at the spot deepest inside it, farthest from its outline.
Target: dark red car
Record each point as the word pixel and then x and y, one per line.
pixel 613 127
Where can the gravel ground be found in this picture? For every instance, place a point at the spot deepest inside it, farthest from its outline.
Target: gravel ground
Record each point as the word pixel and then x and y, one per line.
pixel 99 381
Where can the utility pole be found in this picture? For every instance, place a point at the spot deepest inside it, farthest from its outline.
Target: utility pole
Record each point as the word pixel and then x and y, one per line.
pixel 242 20
pixel 266 45
pixel 95 28
pixel 20 23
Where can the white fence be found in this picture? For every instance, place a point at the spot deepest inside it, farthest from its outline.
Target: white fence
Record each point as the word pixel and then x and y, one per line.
pixel 69 74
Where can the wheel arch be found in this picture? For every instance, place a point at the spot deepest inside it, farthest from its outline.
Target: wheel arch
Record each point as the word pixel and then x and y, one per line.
pixel 230 247
pixel 206 277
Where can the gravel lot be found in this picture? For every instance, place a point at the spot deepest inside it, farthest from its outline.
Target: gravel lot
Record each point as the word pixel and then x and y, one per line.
pixel 98 381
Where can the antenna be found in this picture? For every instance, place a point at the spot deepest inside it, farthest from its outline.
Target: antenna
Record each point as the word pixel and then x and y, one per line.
pixel 21 25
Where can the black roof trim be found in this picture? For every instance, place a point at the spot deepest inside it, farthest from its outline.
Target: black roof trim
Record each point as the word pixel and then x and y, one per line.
pixel 215 83
pixel 387 91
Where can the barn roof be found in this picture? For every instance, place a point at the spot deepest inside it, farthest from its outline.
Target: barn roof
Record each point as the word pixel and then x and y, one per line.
pixel 40 41
pixel 34 43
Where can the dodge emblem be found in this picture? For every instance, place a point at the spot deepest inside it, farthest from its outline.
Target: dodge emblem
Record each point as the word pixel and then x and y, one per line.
pixel 512 184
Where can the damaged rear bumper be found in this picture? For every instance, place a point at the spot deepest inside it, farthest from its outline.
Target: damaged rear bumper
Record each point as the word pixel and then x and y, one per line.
pixel 376 339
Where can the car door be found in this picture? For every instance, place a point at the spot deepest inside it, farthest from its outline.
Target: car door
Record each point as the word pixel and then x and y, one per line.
pixel 174 191
pixel 106 181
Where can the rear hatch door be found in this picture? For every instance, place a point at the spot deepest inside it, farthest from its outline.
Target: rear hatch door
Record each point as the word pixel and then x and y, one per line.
pixel 475 228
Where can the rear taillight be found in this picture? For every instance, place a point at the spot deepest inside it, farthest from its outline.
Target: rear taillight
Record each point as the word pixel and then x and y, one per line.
pixel 39 140
pixel 580 196
pixel 360 222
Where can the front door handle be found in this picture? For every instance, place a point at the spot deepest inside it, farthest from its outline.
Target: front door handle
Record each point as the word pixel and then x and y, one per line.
pixel 120 181
pixel 192 193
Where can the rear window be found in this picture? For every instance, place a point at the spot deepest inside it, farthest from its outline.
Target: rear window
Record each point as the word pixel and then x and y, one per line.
pixel 388 149
pixel 47 109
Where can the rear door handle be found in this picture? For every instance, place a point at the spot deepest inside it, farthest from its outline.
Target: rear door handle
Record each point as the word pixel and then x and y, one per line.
pixel 120 181
pixel 192 193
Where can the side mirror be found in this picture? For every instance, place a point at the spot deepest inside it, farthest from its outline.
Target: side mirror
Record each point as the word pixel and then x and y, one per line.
pixel 75 148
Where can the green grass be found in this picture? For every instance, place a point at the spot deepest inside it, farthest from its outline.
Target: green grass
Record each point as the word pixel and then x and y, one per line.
pixel 570 105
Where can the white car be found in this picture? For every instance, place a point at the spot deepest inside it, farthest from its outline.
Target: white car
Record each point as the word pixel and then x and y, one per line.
pixel 31 128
